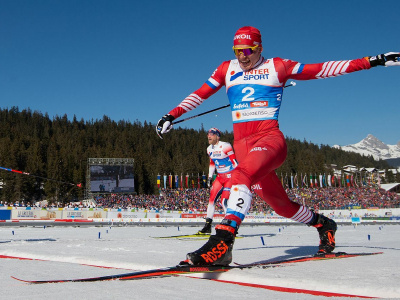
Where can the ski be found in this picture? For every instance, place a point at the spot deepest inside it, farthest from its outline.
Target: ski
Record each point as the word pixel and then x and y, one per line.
pixel 305 258
pixel 186 269
pixel 168 271
pixel 196 235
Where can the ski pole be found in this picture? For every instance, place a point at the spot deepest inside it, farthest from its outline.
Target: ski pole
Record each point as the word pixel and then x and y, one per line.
pixel 204 113
pixel 292 83
pixel 25 173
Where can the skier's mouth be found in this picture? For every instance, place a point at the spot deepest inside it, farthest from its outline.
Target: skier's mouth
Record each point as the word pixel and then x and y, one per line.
pixel 245 64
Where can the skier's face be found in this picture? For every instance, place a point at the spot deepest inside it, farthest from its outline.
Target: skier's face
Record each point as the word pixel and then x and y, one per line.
pixel 249 57
pixel 212 138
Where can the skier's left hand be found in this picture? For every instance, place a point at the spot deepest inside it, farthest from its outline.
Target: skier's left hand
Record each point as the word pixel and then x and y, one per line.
pixel 388 59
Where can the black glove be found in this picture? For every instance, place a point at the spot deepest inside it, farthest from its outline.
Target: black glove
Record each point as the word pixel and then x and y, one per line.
pixel 388 59
pixel 209 181
pixel 164 125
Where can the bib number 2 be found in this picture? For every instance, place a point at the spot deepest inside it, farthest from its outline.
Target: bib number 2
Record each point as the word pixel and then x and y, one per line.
pixel 248 91
pixel 240 203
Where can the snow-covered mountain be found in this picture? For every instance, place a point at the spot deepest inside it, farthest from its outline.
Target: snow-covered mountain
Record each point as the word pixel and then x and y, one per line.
pixel 373 146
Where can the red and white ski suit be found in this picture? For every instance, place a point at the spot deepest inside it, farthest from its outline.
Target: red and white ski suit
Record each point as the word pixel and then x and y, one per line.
pixel 223 160
pixel 255 97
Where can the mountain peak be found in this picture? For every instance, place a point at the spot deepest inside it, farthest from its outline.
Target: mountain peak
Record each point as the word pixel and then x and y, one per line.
pixel 375 147
pixel 371 141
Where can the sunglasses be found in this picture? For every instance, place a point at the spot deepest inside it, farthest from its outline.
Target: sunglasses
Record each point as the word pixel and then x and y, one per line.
pixel 245 51
pixel 212 132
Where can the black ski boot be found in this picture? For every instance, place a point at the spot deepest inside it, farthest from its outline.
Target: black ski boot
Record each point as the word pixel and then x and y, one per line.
pixel 207 228
pixel 326 228
pixel 217 251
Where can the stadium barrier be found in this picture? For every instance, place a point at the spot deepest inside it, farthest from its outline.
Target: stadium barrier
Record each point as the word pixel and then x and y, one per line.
pixel 100 215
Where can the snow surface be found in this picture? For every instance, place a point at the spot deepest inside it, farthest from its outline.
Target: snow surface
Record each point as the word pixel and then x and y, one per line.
pixel 75 252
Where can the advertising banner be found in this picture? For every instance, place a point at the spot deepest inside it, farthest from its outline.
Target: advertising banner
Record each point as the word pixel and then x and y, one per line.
pixel 5 214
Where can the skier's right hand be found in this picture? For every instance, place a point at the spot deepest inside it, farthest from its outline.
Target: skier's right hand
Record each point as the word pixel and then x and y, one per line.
pixel 164 125
pixel 209 182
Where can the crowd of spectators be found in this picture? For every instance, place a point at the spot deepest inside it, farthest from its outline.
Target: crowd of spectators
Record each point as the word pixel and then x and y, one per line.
pixel 196 200
pixel 344 197
pixel 178 200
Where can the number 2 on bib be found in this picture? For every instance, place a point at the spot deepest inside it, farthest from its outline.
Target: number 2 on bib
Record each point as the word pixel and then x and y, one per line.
pixel 248 91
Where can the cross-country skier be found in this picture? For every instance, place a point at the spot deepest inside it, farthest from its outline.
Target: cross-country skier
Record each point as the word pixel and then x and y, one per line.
pixel 222 160
pixel 254 86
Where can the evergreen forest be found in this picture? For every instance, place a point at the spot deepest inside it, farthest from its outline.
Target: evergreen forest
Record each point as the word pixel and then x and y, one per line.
pixel 53 154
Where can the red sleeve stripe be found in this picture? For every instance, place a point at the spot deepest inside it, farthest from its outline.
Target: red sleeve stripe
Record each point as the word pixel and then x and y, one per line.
pixel 333 68
pixel 191 102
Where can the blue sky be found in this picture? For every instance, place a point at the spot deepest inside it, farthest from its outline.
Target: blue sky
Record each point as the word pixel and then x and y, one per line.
pixel 136 60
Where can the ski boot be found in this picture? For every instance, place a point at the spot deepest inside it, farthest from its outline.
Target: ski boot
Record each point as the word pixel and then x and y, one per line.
pixel 207 228
pixel 326 228
pixel 218 249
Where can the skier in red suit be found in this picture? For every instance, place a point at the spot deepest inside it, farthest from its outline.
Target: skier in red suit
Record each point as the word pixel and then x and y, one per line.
pixel 254 86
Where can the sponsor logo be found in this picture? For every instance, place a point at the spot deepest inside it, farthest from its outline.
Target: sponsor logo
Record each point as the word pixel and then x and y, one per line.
pixel 257 74
pixel 215 253
pixel 128 216
pixel 256 187
pixel 74 214
pixel 259 149
pixel 255 77
pixel 242 36
pixel 259 103
pixel 26 214
pixel 241 106
pixel 255 113
pixel 331 238
pixel 234 76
